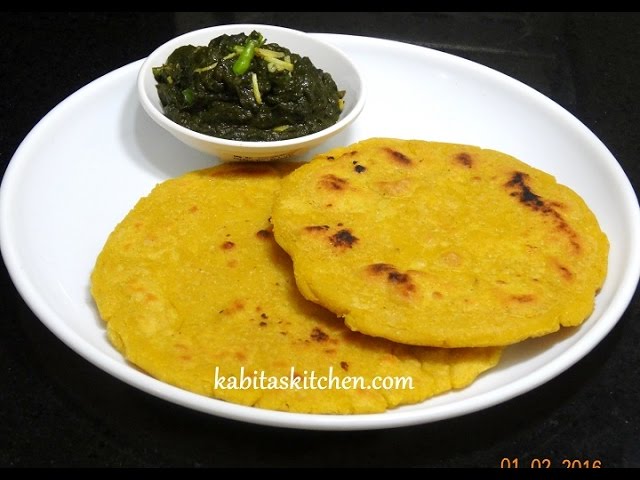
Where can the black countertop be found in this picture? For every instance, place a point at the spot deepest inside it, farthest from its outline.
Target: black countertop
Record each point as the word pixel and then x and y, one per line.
pixel 56 409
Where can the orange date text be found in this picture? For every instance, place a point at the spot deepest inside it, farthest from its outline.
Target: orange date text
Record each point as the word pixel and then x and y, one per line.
pixel 542 462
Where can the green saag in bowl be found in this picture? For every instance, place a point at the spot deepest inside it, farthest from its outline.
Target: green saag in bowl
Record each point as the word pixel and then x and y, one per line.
pixel 239 87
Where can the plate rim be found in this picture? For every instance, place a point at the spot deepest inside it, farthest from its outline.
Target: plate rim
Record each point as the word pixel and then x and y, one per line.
pixel 388 419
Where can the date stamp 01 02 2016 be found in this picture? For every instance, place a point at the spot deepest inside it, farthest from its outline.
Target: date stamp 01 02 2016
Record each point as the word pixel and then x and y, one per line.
pixel 515 462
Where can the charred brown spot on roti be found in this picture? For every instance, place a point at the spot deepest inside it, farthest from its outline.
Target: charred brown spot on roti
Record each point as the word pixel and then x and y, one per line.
pixel 264 234
pixel 398 157
pixel 318 335
pixel 263 324
pixel 228 245
pixel 408 289
pixel 564 272
pixel 518 184
pixel 193 209
pixel 397 277
pixel 330 157
pixel 564 227
pixel 464 159
pixel 523 191
pixel 317 228
pixel 235 307
pixel 343 239
pixel 381 268
pixel 359 168
pixel 264 315
pixel 344 366
pixel 524 298
pixel 238 305
pixel 332 182
pixel 402 281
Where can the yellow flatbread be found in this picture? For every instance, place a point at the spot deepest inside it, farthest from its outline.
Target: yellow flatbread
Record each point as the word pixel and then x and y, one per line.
pixel 195 291
pixel 439 244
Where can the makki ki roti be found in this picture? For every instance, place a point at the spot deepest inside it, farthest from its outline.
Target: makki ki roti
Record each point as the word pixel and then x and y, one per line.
pixel 440 244
pixel 192 279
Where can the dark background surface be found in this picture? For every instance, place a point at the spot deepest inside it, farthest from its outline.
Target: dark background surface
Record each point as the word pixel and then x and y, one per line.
pixel 56 409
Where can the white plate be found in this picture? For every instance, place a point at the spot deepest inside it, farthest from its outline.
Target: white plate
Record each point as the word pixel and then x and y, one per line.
pixel 91 158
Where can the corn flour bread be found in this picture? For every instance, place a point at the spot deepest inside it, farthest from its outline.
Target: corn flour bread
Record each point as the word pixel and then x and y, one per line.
pixel 440 244
pixel 193 288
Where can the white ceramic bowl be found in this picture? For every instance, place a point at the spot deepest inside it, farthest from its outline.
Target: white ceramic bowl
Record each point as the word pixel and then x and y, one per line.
pixel 323 56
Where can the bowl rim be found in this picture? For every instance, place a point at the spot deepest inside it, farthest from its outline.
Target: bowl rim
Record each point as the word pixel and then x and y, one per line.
pixel 173 127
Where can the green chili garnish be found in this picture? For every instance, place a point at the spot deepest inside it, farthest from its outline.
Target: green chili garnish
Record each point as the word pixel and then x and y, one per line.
pixel 241 65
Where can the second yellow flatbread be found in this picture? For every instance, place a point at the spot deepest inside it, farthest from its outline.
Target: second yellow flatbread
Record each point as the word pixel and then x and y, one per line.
pixel 195 291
